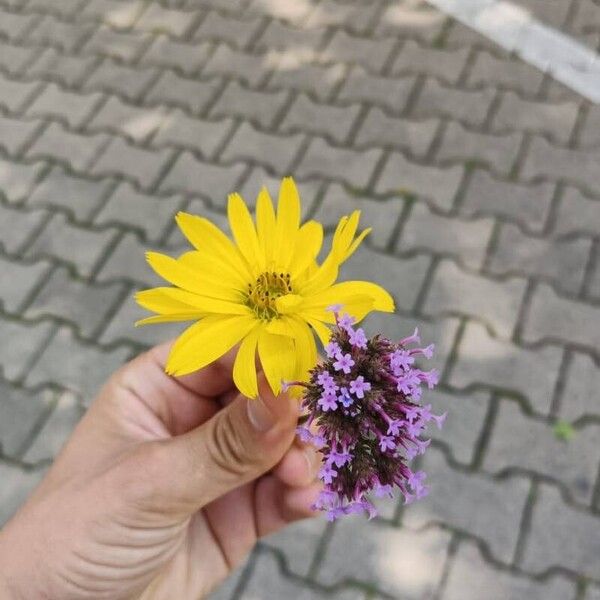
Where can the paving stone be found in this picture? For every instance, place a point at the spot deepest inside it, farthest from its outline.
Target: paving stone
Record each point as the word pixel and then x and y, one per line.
pixel 196 134
pixel 121 327
pixel 69 69
pixel 294 69
pixel 578 532
pixel 446 65
pixel 590 131
pixel 403 278
pixel 552 317
pixel 115 13
pixel 75 150
pixel 135 122
pixel 13 25
pixel 579 397
pixel 14 94
pixel 330 121
pixel 210 181
pixel 353 167
pixel 472 578
pixel 17 227
pixel 124 45
pixel 16 486
pixel 186 93
pixel 237 33
pixel 165 20
pixel 546 160
pixel 78 195
pixel 499 152
pixel 267 581
pixel 424 231
pixel 496 302
pixel 458 35
pixel 511 73
pixel 525 443
pixel 281 36
pixel 593 290
pixel 562 262
pixel 17 179
pixel 486 508
pixel 550 13
pixel 413 18
pixel 292 12
pixel 254 106
pixel 141 165
pixel 577 214
pixel 297 544
pixel 530 373
pixel 352 16
pixel 85 305
pixel 151 215
pixel 464 424
pixel 309 190
pixel 556 120
pixel 402 176
pixel 128 82
pixel 87 369
pixel 127 262
pixel 378 555
pixel 16 134
pixel 18 281
pixel 388 92
pixel 250 68
pixel 381 215
pixel 226 590
pixel 372 54
pixel 470 107
pixel 528 205
pixel 414 137
pixel 20 412
pixel 64 35
pixel 56 430
pixel 14 59
pixel 59 238
pixel 56 102
pixel 167 52
pixel 25 341
pixel 592 593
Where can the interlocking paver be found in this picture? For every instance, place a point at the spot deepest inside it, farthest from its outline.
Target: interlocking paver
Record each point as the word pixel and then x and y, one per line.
pixel 472 578
pixel 119 44
pixel 577 213
pixel 14 94
pixel 372 54
pixel 579 396
pixel 60 34
pixel 158 19
pixel 414 19
pixel 529 205
pixel 113 12
pixel 69 69
pixel 590 131
pixel 128 82
pixel 426 231
pixel 352 16
pixel 281 35
pixel 168 52
pixel 16 134
pixel 13 59
pixel 18 226
pixel 235 32
pixel 491 362
pixel 563 262
pixel 250 68
pixel 18 281
pixel 14 25
pixel 17 179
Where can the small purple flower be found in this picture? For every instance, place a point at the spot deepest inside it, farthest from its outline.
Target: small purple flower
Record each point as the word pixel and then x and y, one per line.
pixel 394 426
pixel 401 360
pixel 327 473
pixel 344 363
pixel 412 412
pixel 431 378
pixel 426 352
pixel 345 398
pixel 324 379
pixel 408 382
pixel 358 339
pixel 339 459
pixel 328 401
pixel 345 322
pixel 383 490
pixel 359 386
pixel 304 434
pixel 332 349
pixel 411 339
pixel 386 442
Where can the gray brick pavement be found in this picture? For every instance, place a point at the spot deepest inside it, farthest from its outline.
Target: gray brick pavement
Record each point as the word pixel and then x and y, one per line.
pixel 480 178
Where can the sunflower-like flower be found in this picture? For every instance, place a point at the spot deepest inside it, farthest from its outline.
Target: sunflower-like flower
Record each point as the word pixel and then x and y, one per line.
pixel 263 290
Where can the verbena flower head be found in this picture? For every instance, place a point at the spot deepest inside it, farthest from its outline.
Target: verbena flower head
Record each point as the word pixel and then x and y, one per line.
pixel 366 419
pixel 263 290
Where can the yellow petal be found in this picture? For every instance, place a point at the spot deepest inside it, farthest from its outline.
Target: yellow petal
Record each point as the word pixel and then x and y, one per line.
pixel 244 367
pixel 322 331
pixel 277 356
pixel 308 246
pixel 288 303
pixel 167 300
pixel 244 232
pixel 217 278
pixel 205 341
pixel 288 221
pixel 265 225
pixel 344 292
pixel 170 318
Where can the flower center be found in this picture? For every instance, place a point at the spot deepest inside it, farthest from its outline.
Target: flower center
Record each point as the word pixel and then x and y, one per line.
pixel 265 290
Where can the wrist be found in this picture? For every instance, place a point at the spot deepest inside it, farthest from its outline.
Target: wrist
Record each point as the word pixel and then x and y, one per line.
pixel 11 585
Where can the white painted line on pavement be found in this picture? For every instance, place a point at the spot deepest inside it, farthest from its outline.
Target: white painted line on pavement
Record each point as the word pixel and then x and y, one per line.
pixel 516 30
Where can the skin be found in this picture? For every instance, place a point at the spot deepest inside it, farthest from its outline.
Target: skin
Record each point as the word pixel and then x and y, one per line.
pixel 163 488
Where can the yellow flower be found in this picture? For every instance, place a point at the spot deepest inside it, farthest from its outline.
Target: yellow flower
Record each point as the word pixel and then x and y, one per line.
pixel 264 290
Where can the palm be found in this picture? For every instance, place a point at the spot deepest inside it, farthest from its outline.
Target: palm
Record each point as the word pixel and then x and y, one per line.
pixel 170 553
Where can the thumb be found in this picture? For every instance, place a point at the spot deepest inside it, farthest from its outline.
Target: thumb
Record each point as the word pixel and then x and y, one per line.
pixel 238 444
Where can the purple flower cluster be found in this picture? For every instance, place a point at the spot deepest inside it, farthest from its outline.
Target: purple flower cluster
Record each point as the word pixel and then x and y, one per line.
pixel 365 416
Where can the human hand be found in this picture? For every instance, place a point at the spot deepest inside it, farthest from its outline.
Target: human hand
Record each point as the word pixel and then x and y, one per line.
pixel 164 487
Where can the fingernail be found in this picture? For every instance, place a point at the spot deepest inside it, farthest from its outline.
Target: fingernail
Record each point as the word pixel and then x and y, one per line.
pixel 313 460
pixel 259 415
